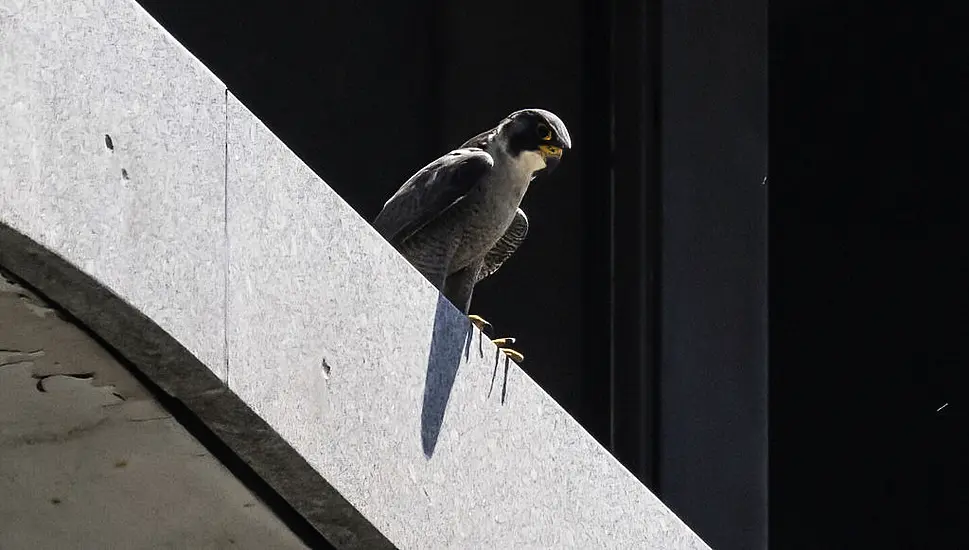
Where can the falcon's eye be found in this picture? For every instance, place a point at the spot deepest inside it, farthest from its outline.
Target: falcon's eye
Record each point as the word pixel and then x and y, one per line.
pixel 544 132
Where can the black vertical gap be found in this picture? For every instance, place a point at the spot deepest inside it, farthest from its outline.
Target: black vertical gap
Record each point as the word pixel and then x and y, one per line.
pixel 636 229
pixel 437 60
pixel 651 40
pixel 596 222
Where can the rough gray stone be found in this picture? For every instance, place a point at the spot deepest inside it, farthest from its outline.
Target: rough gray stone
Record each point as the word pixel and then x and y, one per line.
pixel 112 153
pixel 177 372
pixel 385 389
pixel 88 459
pixel 285 470
pixel 118 322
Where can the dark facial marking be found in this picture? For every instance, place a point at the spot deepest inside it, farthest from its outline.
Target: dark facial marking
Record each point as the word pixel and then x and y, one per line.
pixel 527 132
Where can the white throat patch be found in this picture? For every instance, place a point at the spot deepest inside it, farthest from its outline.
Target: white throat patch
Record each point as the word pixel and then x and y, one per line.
pixel 530 162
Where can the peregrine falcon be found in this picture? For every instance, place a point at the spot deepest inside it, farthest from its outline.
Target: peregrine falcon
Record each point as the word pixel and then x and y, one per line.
pixel 458 219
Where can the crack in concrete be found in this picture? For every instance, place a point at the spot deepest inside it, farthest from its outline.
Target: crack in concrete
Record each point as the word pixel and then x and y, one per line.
pixel 40 439
pixel 37 309
pixel 10 357
pixel 168 417
pixel 25 364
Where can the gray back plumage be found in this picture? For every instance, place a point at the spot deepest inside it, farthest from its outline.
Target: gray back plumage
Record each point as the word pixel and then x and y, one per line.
pixel 430 192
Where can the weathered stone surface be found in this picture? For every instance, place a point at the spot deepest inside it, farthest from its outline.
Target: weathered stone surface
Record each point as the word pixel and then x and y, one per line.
pixel 112 153
pixel 88 459
pixel 118 322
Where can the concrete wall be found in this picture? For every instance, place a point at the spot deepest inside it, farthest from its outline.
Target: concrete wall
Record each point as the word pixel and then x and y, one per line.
pixel 88 459
pixel 144 198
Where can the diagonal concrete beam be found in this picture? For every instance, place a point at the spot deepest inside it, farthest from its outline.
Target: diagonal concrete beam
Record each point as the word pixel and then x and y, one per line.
pixel 144 198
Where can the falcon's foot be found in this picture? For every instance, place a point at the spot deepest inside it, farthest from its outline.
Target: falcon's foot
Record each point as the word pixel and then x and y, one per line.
pixel 503 344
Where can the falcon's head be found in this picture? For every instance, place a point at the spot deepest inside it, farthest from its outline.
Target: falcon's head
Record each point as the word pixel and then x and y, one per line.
pixel 535 136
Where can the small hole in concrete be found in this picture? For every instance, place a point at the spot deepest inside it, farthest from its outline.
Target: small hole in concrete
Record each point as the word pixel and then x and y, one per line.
pixel 55 501
pixel 108 142
pixel 326 370
pixel 124 174
pixel 121 463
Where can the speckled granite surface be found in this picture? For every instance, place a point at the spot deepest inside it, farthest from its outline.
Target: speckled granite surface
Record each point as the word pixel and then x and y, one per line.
pixel 112 148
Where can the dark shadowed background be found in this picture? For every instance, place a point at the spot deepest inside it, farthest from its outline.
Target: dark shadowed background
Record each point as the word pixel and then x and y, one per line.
pixel 869 273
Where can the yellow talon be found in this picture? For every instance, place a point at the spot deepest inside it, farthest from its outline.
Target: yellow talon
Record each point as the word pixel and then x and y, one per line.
pixel 503 344
pixel 479 322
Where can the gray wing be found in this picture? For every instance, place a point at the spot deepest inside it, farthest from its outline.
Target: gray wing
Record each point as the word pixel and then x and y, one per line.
pixel 430 192
pixel 506 245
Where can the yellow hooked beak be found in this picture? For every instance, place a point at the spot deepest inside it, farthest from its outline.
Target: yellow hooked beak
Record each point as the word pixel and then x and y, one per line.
pixel 550 151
